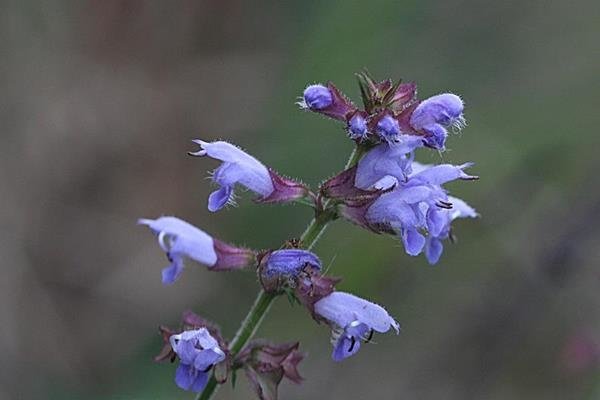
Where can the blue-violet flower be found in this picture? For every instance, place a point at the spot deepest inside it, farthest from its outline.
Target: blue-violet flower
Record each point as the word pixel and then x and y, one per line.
pixel 180 239
pixel 352 320
pixel 436 113
pixel 241 168
pixel 198 351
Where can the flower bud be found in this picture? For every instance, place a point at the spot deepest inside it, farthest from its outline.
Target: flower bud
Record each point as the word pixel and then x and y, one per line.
pixel 317 97
pixel 387 128
pixel 280 268
pixel 357 127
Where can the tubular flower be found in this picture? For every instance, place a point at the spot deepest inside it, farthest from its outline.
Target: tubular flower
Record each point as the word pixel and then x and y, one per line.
pixel 352 320
pixel 241 168
pixel 180 239
pixel 198 352
pixel 418 209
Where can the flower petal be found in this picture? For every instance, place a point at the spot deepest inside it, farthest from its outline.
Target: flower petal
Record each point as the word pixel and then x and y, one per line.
pixel 343 308
pixel 219 198
pixel 185 376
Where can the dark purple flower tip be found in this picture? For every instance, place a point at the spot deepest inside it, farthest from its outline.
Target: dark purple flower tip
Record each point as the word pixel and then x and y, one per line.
pixel 357 127
pixel 317 97
pixel 387 128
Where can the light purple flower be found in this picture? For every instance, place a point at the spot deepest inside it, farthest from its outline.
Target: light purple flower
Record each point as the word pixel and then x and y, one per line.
pixel 387 164
pixel 180 239
pixel 352 320
pixel 417 206
pixel 198 351
pixel 317 97
pixel 436 113
pixel 444 217
pixel 241 168
pixel 238 168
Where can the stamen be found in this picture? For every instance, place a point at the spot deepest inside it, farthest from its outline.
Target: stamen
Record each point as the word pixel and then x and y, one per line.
pixel 352 345
pixel 368 339
pixel 444 204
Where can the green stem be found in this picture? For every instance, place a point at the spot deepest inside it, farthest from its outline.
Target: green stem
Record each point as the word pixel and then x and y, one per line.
pixel 263 301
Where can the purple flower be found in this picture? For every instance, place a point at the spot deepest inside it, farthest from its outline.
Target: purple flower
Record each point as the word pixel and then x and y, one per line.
pixel 352 320
pixel 317 97
pixel 290 262
pixel 238 167
pixel 386 164
pixel 417 210
pixel 436 113
pixel 387 128
pixel 280 266
pixel 180 239
pixel 241 168
pixel 357 127
pixel 417 205
pixel 439 220
pixel 198 351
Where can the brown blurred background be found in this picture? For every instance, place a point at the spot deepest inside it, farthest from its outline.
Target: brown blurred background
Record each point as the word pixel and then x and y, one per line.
pixel 101 98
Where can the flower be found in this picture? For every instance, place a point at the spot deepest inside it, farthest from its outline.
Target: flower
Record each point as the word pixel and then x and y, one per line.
pixel 317 97
pixel 279 266
pixel 439 220
pixel 387 164
pixel 198 352
pixel 180 239
pixel 241 168
pixel 353 320
pixel 417 210
pixel 434 114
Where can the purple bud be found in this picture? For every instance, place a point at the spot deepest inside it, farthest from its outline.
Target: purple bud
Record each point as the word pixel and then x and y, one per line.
pixel 317 97
pixel 180 239
pixel 435 114
pixel 352 320
pixel 357 127
pixel 280 266
pixel 444 109
pixel 387 128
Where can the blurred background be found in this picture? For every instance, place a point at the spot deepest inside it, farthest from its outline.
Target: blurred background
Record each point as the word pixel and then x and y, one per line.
pixel 101 98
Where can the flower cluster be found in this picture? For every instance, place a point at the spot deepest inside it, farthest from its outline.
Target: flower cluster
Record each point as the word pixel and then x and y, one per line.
pixel 382 190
